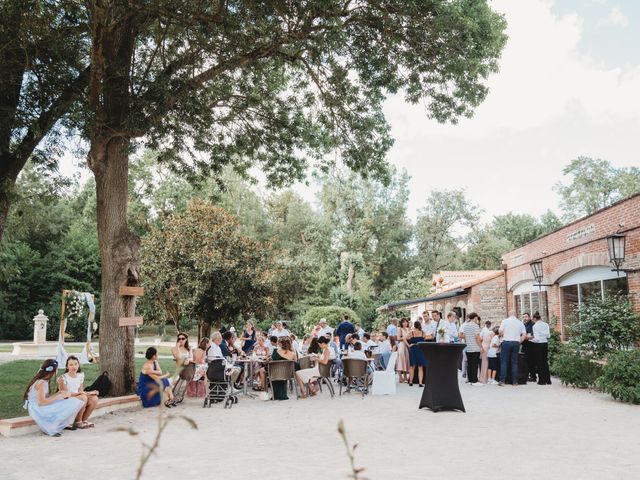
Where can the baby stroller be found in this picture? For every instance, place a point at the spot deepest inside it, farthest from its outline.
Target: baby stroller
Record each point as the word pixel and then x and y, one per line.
pixel 219 385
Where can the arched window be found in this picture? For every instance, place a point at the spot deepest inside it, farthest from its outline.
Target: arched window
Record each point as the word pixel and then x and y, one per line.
pixel 530 299
pixel 588 282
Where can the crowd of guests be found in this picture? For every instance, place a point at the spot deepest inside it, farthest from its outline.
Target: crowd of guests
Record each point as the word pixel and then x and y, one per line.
pixel 491 352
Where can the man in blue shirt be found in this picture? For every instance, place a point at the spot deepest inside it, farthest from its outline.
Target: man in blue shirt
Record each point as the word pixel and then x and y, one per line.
pixel 344 328
pixel 392 329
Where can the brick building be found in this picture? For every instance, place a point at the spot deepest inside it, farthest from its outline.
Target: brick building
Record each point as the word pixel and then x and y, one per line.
pixel 481 291
pixel 575 264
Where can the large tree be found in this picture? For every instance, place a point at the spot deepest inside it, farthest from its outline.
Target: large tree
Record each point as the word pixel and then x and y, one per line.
pixel 281 85
pixel 594 184
pixel 43 73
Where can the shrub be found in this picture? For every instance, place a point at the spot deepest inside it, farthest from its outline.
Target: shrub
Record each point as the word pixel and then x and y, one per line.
pixel 576 370
pixel 332 314
pixel 606 326
pixel 556 347
pixel 621 376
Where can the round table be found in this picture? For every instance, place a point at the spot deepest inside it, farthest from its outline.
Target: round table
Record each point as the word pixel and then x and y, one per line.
pixel 441 390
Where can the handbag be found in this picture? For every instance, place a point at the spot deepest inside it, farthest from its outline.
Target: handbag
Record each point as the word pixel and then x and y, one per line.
pixel 188 371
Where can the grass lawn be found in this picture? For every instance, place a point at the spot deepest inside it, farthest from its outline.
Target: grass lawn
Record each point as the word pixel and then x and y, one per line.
pixel 14 377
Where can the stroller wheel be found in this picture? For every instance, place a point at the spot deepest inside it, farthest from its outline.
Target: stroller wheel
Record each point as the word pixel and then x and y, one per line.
pixel 235 399
pixel 228 403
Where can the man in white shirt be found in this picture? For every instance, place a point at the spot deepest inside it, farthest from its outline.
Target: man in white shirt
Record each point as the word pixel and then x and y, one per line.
pixel 215 353
pixel 486 329
pixel 324 328
pixel 540 343
pixel 430 326
pixel 513 334
pixel 392 329
pixel 450 329
pixel 280 331
pixel 367 343
pixel 358 352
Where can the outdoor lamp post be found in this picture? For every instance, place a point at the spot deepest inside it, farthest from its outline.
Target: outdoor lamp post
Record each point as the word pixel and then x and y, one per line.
pixel 615 246
pixel 536 268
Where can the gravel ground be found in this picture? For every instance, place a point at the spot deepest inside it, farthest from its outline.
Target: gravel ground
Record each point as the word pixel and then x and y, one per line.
pixel 531 431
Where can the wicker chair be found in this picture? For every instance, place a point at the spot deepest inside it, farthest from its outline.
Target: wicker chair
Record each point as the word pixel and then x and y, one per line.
pixel 354 368
pixel 325 377
pixel 284 371
pixel 305 362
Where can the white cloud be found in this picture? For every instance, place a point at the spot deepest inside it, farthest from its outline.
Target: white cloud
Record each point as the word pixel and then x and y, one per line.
pixel 616 18
pixel 547 105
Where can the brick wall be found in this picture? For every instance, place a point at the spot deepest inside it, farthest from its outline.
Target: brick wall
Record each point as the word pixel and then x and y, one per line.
pixel 577 245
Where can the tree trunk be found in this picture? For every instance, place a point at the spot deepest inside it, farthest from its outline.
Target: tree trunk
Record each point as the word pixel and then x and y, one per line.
pixel 10 168
pixel 118 253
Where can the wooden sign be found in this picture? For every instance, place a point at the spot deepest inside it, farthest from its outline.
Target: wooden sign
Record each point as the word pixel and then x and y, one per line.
pixel 132 291
pixel 129 321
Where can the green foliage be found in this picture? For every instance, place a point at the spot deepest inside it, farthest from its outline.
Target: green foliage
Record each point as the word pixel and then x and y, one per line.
pixel 332 314
pixel 621 376
pixel 595 184
pixel 197 264
pixel 555 345
pixel 605 326
pixel 576 370
pixel 442 229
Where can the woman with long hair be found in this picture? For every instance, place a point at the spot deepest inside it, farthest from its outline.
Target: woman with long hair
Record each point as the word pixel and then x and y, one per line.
pixel 248 338
pixel 52 413
pixel 416 357
pixel 73 381
pixel 200 362
pixel 183 356
pixel 285 352
pixel 402 363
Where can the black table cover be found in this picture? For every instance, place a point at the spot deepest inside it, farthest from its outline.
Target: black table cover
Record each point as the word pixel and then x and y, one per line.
pixel 441 391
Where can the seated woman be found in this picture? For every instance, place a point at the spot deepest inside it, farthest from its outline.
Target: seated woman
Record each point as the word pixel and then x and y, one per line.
pixel 183 357
pixel 200 362
pixel 52 413
pixel 73 381
pixel 285 352
pixel 262 351
pixel 321 356
pixel 151 381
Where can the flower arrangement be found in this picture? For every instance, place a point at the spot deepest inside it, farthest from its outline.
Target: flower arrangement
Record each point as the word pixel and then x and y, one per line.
pixel 443 334
pixel 75 303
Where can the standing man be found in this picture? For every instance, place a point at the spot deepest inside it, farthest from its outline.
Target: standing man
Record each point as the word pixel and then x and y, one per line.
pixel 513 334
pixel 343 329
pixel 471 334
pixel 527 347
pixel 324 328
pixel 540 344
pixel 280 330
pixel 430 327
pixel 392 329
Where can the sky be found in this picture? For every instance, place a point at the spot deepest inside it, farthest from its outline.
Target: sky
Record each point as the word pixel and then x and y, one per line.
pixel 569 85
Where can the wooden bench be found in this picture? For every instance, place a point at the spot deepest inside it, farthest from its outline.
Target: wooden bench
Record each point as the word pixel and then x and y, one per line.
pixel 14 427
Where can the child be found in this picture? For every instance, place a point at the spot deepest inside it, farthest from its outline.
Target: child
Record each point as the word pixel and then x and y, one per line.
pixel 150 380
pixel 73 381
pixel 52 413
pixel 492 354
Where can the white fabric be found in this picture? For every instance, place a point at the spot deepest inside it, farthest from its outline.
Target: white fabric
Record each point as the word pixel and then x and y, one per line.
pixel 73 384
pixel 324 331
pixel 541 332
pixel 281 333
pixel 444 325
pixel 54 417
pixel 358 354
pixel 493 348
pixel 392 330
pixel 384 381
pixel 214 352
pixel 511 329
pixel 384 347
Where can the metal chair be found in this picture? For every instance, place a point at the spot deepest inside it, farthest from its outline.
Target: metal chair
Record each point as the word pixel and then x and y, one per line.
pixel 354 368
pixel 282 371
pixel 325 377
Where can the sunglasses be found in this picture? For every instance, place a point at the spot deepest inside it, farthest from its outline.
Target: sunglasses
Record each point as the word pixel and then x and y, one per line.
pixel 182 338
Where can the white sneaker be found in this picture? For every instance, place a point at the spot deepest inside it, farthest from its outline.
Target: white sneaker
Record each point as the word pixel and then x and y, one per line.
pixel 477 384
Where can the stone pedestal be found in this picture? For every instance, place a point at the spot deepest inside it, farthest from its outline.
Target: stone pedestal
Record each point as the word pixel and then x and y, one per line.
pixel 40 347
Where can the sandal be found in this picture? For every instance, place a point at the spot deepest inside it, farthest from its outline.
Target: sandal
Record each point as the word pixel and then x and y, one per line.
pixel 89 424
pixel 169 403
pixel 80 425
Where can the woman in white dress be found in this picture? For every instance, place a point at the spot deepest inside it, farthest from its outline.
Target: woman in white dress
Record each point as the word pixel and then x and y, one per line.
pixel 324 357
pixel 73 381
pixel 52 413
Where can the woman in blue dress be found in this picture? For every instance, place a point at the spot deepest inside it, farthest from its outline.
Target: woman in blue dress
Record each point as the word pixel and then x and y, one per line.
pixel 151 379
pixel 248 338
pixel 416 357
pixel 52 413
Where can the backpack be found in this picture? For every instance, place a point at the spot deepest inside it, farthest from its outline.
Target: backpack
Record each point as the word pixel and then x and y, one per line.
pixel 102 384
